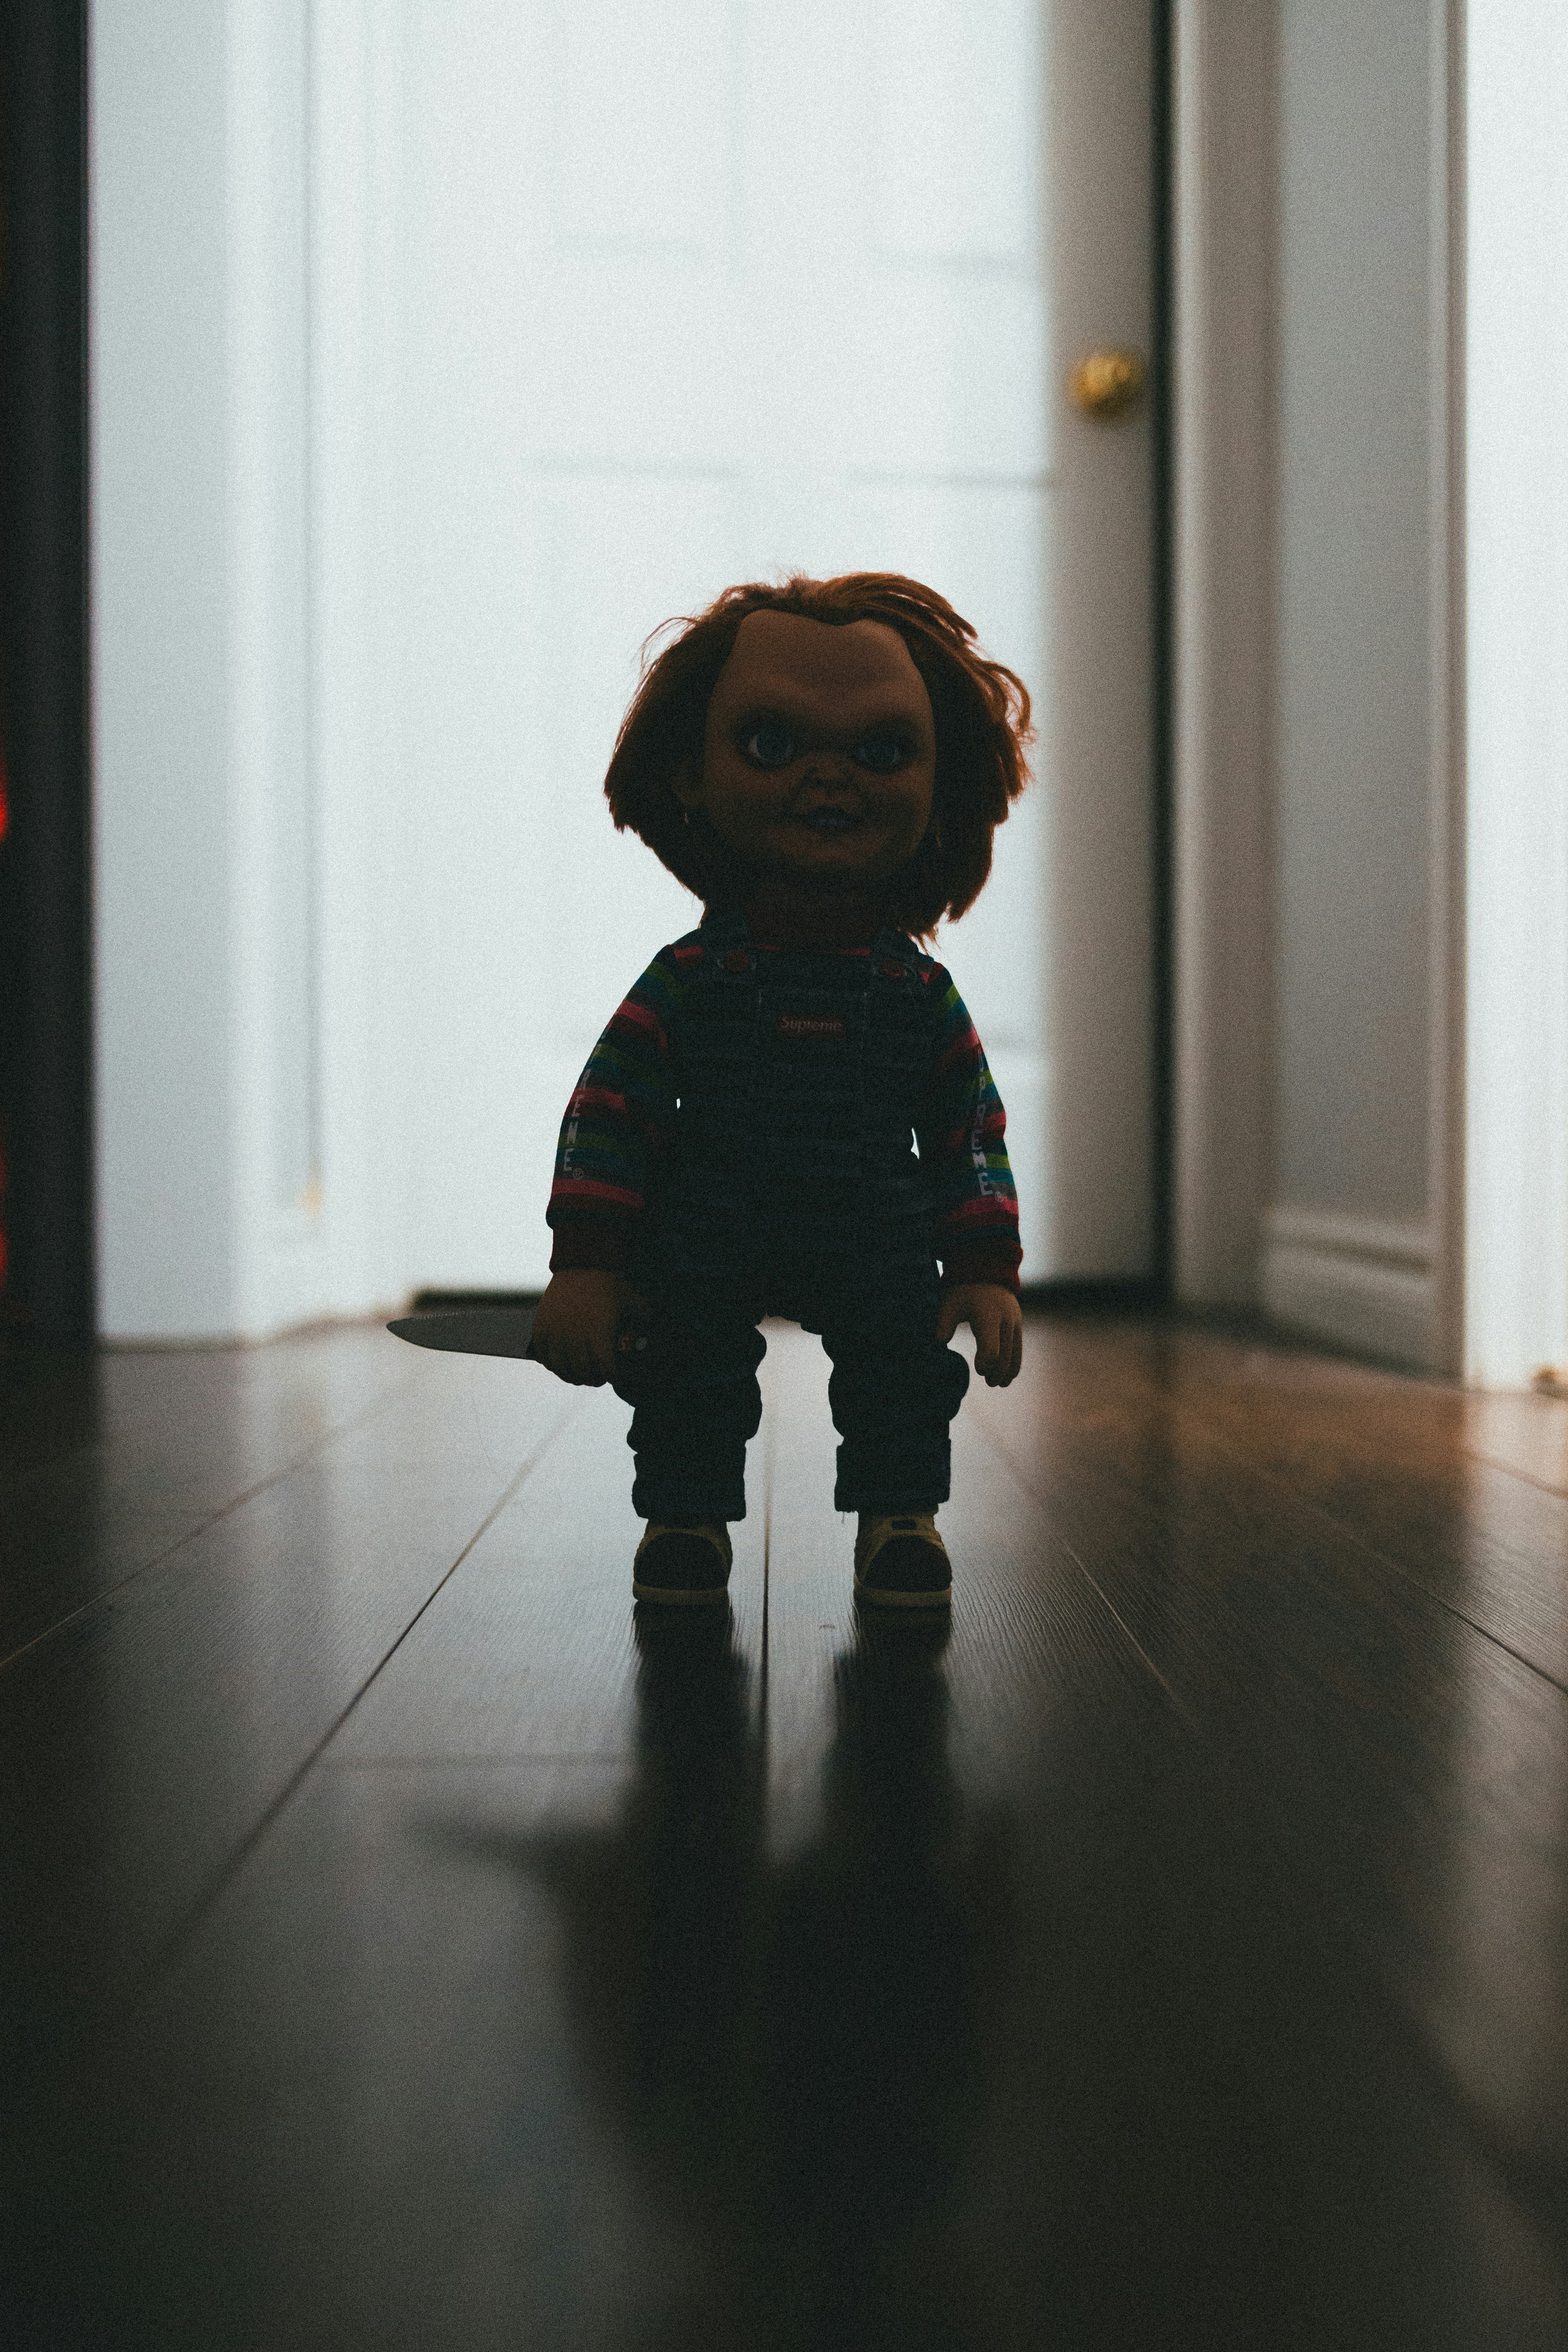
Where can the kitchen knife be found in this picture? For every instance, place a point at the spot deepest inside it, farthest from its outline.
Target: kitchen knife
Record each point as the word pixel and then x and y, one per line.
pixel 469 1330
pixel 489 1331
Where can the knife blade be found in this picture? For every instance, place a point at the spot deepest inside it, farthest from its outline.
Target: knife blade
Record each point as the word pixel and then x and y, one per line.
pixel 469 1330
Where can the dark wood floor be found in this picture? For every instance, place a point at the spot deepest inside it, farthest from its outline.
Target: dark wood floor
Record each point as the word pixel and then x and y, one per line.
pixel 407 1948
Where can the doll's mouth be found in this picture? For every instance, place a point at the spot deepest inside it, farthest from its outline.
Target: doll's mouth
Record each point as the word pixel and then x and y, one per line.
pixel 828 822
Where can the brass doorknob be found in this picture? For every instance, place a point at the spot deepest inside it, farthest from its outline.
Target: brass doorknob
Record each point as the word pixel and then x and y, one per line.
pixel 1106 384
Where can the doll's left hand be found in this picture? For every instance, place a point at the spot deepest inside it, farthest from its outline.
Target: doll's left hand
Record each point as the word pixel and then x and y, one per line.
pixel 997 1319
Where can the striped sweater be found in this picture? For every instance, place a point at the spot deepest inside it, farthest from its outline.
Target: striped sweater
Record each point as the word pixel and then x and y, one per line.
pixel 625 1098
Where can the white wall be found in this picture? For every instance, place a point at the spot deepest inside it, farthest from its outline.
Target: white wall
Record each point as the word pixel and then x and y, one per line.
pixel 1517 609
pixel 1316 932
pixel 1455 1256
pixel 1353 547
pixel 1352 1244
pixel 249 611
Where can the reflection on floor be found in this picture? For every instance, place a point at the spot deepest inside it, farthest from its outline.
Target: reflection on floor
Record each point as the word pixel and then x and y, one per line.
pixel 410 1947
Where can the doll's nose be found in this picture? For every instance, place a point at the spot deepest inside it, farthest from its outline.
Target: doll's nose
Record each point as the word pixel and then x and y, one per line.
pixel 833 767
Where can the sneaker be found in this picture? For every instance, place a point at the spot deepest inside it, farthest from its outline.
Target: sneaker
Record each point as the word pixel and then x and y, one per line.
pixel 681 1564
pixel 901 1562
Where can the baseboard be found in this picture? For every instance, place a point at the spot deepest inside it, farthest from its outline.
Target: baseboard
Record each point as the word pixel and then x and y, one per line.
pixel 1367 1283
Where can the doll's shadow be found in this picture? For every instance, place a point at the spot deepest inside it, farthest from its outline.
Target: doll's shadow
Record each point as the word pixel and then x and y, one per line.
pixel 789 2053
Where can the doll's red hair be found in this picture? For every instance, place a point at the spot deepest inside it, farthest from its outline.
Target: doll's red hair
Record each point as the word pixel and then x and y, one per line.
pixel 983 732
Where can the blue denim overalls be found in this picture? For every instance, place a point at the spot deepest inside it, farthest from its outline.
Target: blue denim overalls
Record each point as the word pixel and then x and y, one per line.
pixel 789 1184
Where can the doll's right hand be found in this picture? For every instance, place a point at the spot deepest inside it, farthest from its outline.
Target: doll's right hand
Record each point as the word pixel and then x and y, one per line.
pixel 578 1322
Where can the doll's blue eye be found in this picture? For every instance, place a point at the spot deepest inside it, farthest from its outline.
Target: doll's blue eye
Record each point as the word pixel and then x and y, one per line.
pixel 770 744
pixel 881 753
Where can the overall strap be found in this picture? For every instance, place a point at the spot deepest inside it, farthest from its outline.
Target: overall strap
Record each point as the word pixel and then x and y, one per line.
pixel 892 959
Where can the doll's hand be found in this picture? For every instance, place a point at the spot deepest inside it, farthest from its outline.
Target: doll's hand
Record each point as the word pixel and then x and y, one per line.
pixel 577 1322
pixel 997 1319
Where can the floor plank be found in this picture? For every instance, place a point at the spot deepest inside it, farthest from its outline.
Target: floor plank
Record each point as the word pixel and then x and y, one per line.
pixel 143 1740
pixel 1416 1470
pixel 531 1651
pixel 578 2065
pixel 111 1460
pixel 1108 1970
pixel 1416 1770
pixel 1526 1434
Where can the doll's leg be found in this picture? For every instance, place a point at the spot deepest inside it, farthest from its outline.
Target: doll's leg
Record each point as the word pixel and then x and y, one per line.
pixel 698 1404
pixel 893 1391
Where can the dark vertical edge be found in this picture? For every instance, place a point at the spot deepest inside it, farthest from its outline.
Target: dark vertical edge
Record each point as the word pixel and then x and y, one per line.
pixel 1163 629
pixel 45 1063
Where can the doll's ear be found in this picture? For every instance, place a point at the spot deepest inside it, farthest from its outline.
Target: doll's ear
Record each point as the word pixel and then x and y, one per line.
pixel 685 785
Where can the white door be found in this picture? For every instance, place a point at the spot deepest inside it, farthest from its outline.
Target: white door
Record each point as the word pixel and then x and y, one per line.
pixel 696 290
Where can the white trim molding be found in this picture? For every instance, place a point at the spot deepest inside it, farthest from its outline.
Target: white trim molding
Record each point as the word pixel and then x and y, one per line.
pixel 1367 1282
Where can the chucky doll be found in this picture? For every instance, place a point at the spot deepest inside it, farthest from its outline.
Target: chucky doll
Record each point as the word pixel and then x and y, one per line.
pixel 824 764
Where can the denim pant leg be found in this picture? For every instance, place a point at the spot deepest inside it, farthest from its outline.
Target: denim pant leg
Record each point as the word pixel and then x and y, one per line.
pixel 893 1391
pixel 697 1402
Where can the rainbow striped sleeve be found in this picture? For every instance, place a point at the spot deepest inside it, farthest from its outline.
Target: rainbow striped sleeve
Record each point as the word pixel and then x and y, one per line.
pixel 962 1142
pixel 619 1107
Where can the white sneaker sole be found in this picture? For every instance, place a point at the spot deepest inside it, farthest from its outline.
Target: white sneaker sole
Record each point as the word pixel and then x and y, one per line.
pixel 880 1597
pixel 676 1598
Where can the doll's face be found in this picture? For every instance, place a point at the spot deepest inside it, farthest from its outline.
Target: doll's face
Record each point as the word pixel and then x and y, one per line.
pixel 819 756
